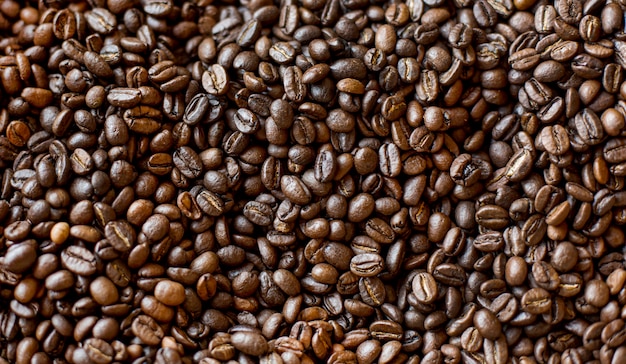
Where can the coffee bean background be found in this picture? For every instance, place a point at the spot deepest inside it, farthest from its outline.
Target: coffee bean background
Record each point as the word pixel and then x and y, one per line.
pixel 312 181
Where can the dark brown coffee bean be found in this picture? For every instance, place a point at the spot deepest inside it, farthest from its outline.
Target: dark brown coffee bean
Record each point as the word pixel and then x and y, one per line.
pixel 425 288
pixel 555 140
pixel 210 203
pixel 386 330
pixel 124 97
pixel 536 301
pixel 590 28
pixel 258 213
pixel 492 217
pixel 545 275
pixel 101 20
pixel 549 71
pixel 587 66
pixel 37 97
pixel 485 14
pixel 614 152
pixel 487 324
pixel 366 265
pixel 146 329
pixel 496 351
pixel 215 80
pixel 294 87
pixel 295 190
pixel 20 257
pixel 450 274
pixel 169 292
pixel 79 260
pixel 99 350
pixel 188 162
pixel 120 235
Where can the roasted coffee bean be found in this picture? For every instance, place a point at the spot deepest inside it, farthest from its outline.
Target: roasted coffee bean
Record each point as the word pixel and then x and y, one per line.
pixel 295 190
pixel 485 14
pixel 555 140
pixel 614 151
pixel 294 86
pixel 169 292
pixel 487 324
pixel 79 260
pixel 425 288
pixel 146 329
pixel 188 162
pixel 120 235
pixel 215 80
pixel 492 217
pixel 536 301
pixel 366 265
pixel 124 97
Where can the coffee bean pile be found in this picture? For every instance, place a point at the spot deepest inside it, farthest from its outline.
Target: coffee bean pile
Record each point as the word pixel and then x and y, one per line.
pixel 312 181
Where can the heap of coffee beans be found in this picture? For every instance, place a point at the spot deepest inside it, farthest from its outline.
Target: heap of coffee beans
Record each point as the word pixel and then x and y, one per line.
pixel 312 181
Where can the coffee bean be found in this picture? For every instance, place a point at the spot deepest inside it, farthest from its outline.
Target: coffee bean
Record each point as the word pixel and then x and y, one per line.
pixel 246 121
pixel 215 80
pixel 613 151
pixel 487 324
pixel 536 300
pixel 147 330
pixel 169 292
pixel 98 349
pixel 425 288
pixel 485 14
pixel 188 162
pixel 124 97
pixel 120 235
pixel 103 291
pixel 386 330
pixel 60 280
pixel 295 190
pixel 79 260
pixel 18 259
pixel 251 343
pixel 96 64
pixel 555 140
pixel 101 20
pixel 379 230
pixel 492 217
pixel 37 97
pixel 366 265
